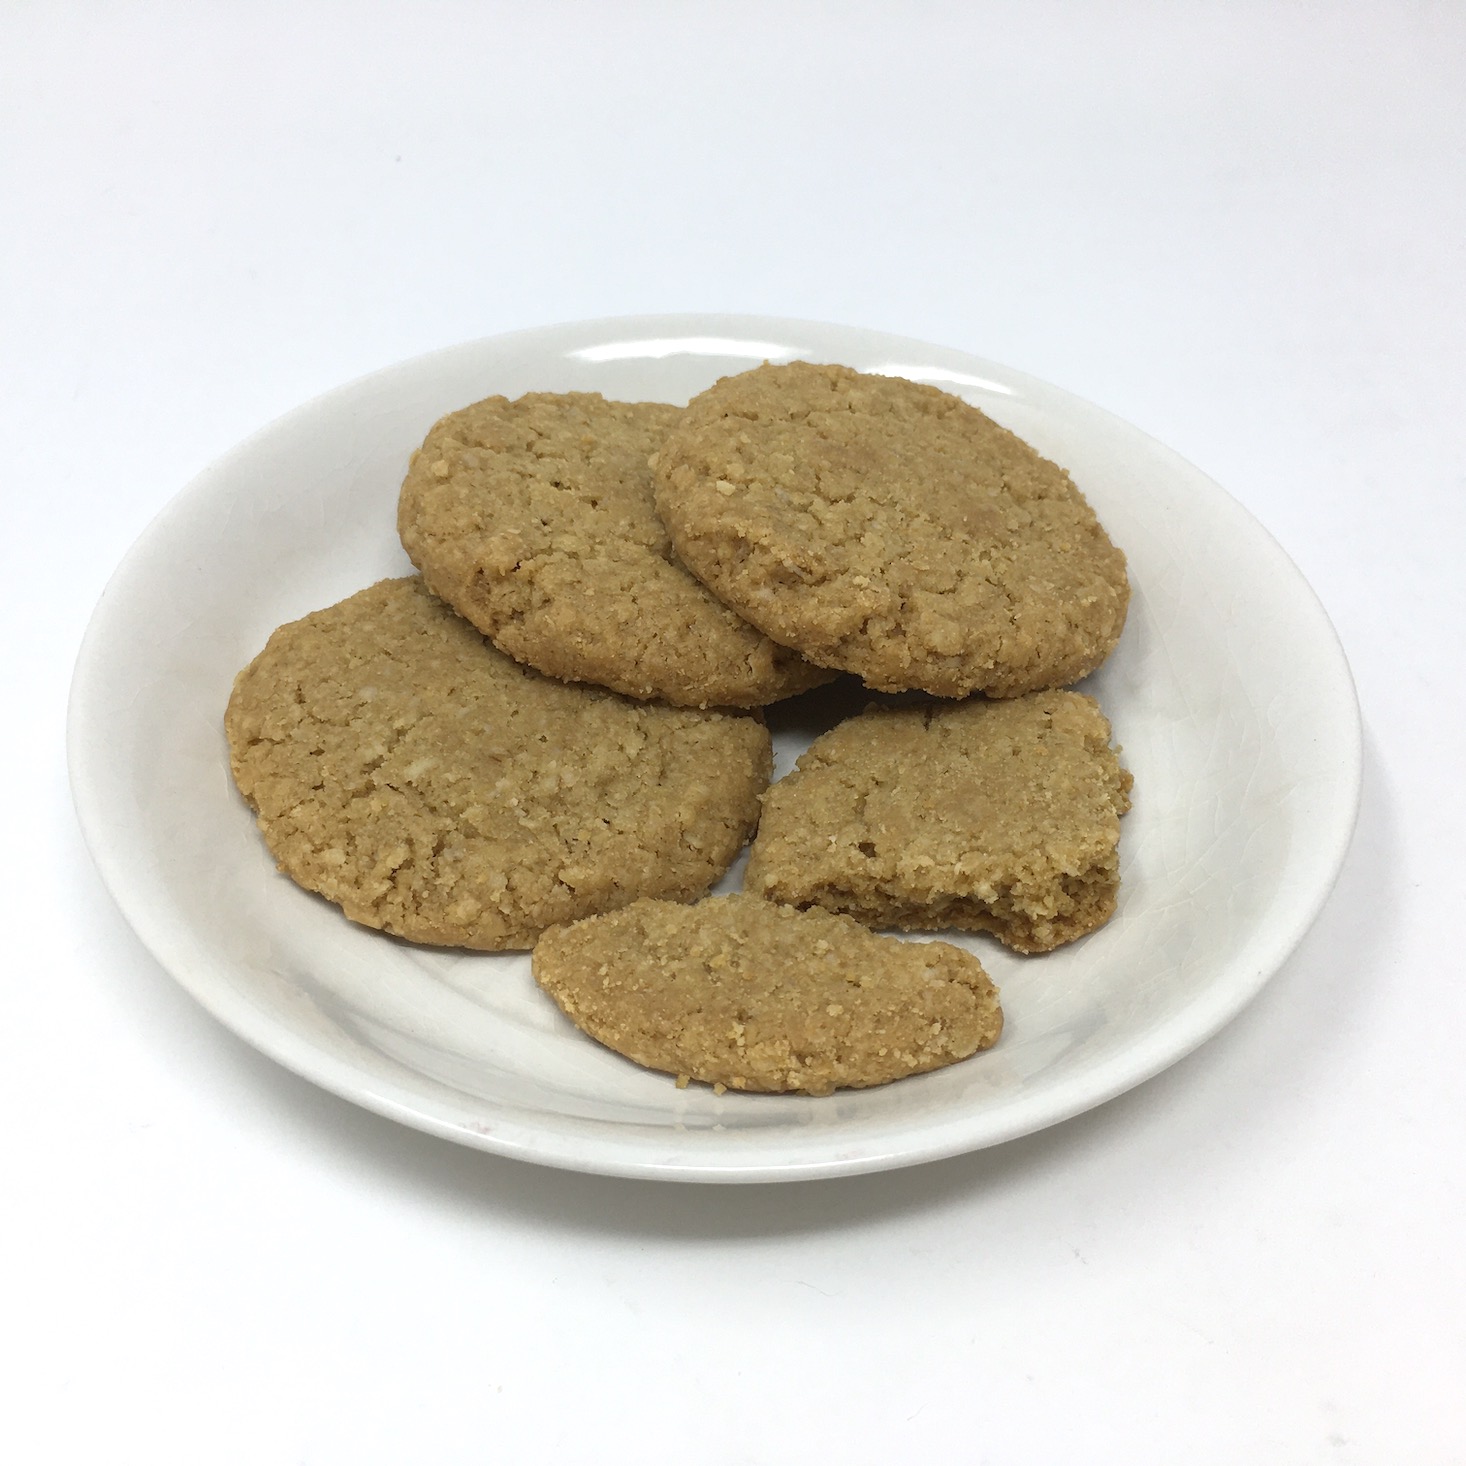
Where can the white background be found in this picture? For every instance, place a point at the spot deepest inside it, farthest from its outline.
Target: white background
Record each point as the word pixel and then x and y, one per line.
pixel 1240 227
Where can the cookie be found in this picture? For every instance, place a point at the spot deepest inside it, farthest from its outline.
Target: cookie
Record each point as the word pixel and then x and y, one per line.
pixel 433 788
pixel 890 530
pixel 534 519
pixel 741 993
pixel 1000 817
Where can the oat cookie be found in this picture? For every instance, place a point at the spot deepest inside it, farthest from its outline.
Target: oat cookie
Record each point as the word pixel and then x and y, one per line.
pixel 739 992
pixel 890 530
pixel 435 789
pixel 534 519
pixel 1001 817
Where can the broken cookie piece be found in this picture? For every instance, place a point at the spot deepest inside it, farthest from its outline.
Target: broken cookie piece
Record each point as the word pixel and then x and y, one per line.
pixel 1001 817
pixel 741 993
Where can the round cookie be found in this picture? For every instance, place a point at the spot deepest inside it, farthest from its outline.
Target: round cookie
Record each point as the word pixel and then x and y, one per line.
pixel 740 993
pixel 433 788
pixel 534 519
pixel 890 530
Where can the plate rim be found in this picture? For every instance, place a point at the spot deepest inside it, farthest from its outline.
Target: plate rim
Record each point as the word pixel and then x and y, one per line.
pixel 1150 1054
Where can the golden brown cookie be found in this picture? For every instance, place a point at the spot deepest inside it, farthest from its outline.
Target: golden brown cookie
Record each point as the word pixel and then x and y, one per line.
pixel 534 519
pixel 1001 817
pixel 435 789
pixel 738 992
pixel 890 530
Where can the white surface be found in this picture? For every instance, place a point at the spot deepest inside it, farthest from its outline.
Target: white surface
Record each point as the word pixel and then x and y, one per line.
pixel 1239 227
pixel 1229 694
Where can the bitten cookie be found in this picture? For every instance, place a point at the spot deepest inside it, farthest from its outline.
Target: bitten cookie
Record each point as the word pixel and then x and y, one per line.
pixel 435 789
pixel 738 992
pixel 1001 817
pixel 890 530
pixel 534 519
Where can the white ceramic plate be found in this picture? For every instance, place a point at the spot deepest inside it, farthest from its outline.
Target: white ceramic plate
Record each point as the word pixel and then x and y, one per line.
pixel 1229 693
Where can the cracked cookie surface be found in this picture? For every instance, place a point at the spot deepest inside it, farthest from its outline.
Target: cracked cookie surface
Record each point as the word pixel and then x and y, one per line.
pixel 432 787
pixel 1002 817
pixel 891 530
pixel 738 992
pixel 534 518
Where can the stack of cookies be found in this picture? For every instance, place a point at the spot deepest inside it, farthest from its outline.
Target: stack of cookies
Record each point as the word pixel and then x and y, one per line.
pixel 551 736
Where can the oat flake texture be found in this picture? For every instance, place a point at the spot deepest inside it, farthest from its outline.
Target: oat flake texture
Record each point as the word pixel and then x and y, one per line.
pixel 891 530
pixel 534 518
pixel 1000 817
pixel 738 992
pixel 404 769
